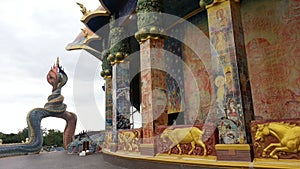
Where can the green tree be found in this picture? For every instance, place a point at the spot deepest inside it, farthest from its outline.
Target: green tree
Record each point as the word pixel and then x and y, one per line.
pixel 14 138
pixel 24 133
pixel 50 137
pixel 53 137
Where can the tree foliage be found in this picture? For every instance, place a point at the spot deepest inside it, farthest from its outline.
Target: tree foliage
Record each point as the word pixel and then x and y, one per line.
pixel 53 137
pixel 14 138
pixel 50 137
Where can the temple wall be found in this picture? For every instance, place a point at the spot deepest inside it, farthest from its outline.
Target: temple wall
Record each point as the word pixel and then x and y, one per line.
pixel 271 33
pixel 200 71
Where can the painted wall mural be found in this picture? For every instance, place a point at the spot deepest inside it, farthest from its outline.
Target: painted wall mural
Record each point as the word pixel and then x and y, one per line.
pixel 200 71
pixel 174 78
pixel 273 52
pixel 153 88
pixel 224 22
pixel 121 95
pixel 108 104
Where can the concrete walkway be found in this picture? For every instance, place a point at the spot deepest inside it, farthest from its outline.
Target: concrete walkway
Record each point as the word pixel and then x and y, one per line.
pixel 56 160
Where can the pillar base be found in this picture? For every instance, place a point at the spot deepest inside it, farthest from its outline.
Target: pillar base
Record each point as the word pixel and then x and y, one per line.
pixel 113 147
pixel 233 152
pixel 148 149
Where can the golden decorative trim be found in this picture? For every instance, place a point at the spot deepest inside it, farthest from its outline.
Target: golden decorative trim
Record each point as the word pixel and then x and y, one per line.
pixel 83 47
pixel 188 160
pixel 175 111
pixel 150 37
pixel 271 160
pixel 216 2
pixel 79 47
pixel 85 18
pixel 275 163
pixel 129 152
pixel 107 77
pixel 232 147
pixel 147 145
pixel 185 156
pixel 89 35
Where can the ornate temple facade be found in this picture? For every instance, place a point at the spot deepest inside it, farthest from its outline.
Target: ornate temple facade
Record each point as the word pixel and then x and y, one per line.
pixel 216 80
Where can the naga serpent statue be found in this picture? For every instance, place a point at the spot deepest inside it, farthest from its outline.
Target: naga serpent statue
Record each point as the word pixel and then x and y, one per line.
pixel 53 108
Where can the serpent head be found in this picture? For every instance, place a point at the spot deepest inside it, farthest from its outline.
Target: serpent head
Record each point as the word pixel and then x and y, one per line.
pixel 57 77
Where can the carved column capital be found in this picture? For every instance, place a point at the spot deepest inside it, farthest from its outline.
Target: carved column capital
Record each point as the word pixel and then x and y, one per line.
pixel 106 66
pixel 149 20
pixel 119 43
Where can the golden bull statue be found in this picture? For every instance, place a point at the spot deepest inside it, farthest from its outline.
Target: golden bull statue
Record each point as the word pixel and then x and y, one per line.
pixel 192 135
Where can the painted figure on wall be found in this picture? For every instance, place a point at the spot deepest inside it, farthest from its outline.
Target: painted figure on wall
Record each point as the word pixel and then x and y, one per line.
pixel 221 38
pixel 228 132
pixel 220 82
pixel 229 78
pixel 232 111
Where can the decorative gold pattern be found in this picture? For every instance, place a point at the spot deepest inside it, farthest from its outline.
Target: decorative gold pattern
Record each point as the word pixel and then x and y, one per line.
pixel 287 134
pixel 108 140
pixel 178 136
pixel 100 11
pixel 130 140
pixel 232 147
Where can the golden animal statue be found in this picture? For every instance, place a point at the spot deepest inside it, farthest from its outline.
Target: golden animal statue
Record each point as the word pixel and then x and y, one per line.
pixel 287 134
pixel 130 139
pixel 192 135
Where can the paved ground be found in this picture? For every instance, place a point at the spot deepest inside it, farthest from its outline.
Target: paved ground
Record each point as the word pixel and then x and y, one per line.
pixel 61 160
pixel 56 160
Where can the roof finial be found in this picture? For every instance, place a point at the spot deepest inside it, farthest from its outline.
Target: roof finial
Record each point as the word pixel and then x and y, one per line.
pixel 83 8
pixel 85 32
pixel 57 61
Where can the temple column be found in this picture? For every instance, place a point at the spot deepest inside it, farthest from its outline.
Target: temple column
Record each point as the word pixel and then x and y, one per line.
pixel 119 50
pixel 108 104
pixel 233 102
pixel 153 78
pixel 106 73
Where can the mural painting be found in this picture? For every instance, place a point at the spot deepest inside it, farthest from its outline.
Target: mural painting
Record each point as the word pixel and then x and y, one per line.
pixel 122 99
pixel 200 74
pixel 272 48
pixel 108 104
pixel 228 101
pixel 174 76
pixel 153 88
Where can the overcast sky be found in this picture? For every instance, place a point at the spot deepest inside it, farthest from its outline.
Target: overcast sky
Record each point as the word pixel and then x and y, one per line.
pixel 32 34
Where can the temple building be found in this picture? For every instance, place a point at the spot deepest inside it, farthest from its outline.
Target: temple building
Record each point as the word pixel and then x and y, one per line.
pixel 214 83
